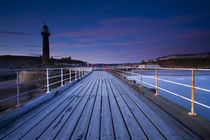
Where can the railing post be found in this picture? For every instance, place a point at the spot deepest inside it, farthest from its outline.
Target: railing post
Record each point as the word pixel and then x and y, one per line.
pixel 192 113
pixel 75 74
pixel 79 72
pixel 141 77
pixel 18 89
pixel 69 74
pixel 85 70
pixel 127 74
pixel 48 86
pixel 123 73
pixel 132 75
pixel 61 76
pixel 156 93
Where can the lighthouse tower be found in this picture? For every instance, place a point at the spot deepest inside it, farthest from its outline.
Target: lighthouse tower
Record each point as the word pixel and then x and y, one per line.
pixel 46 50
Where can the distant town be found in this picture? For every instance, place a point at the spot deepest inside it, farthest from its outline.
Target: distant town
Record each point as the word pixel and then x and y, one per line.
pixel 201 60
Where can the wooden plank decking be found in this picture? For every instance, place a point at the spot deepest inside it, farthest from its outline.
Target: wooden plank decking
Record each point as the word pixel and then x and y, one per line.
pixel 98 107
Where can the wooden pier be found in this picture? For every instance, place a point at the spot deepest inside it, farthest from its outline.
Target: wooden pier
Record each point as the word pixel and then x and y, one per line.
pixel 98 107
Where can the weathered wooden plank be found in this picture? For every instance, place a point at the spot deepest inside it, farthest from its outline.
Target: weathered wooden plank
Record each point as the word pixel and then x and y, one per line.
pixel 73 119
pixel 118 123
pixel 57 125
pixel 59 111
pixel 94 126
pixel 182 130
pixel 27 126
pixel 6 130
pixel 81 128
pixel 132 125
pixel 165 129
pixel 107 130
pixel 149 129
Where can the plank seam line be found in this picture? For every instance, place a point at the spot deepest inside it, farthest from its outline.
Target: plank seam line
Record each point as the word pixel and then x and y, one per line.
pixel 39 112
pixel 150 119
pixel 65 107
pixel 120 111
pixel 110 109
pixel 130 110
pixel 70 137
pixel 73 110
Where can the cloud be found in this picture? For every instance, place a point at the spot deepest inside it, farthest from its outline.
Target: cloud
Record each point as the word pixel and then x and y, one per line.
pixel 67 34
pixel 111 5
pixel 199 35
pixel 152 21
pixel 15 33
pixel 115 28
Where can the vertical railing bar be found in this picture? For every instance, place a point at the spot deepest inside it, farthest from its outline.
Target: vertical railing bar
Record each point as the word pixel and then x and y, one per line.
pixel 192 113
pixel 156 92
pixel 61 76
pixel 75 74
pixel 48 83
pixel 123 73
pixel 79 72
pixel 69 74
pixel 18 88
pixel 127 74
pixel 132 75
pixel 141 77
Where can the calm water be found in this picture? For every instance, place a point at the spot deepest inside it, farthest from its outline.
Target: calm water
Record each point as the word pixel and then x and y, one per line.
pixel 202 79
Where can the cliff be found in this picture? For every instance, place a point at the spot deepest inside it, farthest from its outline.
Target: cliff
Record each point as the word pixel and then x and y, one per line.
pixel 185 60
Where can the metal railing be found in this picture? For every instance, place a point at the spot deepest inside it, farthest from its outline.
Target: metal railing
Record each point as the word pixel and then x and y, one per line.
pixel 126 72
pixel 49 78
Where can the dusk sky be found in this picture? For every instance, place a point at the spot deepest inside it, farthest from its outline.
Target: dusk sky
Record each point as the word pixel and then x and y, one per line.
pixel 105 31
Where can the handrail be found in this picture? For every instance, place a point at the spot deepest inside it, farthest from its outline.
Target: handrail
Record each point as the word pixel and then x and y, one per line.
pixel 199 88
pixel 197 69
pixel 125 73
pixel 73 73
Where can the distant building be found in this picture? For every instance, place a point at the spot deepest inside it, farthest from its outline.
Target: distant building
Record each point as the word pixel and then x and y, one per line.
pixel 148 66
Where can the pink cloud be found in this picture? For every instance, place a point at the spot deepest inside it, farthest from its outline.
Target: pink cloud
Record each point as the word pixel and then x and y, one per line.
pixel 195 35
pixel 67 34
pixel 132 43
pixel 70 46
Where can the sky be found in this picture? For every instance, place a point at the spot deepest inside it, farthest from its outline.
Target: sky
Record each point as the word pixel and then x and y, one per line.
pixel 106 31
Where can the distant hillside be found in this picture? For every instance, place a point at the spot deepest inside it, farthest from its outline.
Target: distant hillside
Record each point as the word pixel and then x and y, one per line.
pixel 201 60
pixel 18 62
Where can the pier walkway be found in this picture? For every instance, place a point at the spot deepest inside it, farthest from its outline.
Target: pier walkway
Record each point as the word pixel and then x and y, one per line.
pixel 98 107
